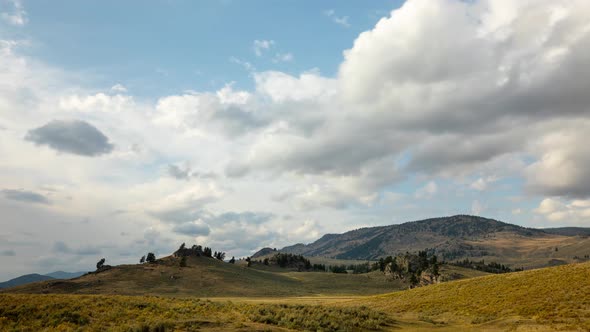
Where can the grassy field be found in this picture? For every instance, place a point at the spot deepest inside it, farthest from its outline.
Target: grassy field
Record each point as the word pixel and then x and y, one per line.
pixel 550 299
pixel 23 312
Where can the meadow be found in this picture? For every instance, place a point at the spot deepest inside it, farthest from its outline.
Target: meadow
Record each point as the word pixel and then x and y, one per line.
pixel 549 299
pixel 25 312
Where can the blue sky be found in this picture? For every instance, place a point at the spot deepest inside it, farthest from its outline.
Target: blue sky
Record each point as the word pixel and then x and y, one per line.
pixel 128 127
pixel 171 46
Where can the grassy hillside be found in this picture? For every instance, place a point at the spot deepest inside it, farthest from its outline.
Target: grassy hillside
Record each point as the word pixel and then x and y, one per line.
pixel 556 298
pixel 207 277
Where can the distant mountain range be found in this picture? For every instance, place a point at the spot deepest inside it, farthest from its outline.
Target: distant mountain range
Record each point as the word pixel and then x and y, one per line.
pixel 34 277
pixel 453 238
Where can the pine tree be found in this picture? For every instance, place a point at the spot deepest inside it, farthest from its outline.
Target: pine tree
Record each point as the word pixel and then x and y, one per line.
pixel 183 261
pixel 100 264
pixel 151 258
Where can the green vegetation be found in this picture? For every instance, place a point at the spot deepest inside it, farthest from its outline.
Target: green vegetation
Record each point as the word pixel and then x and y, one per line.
pixel 492 267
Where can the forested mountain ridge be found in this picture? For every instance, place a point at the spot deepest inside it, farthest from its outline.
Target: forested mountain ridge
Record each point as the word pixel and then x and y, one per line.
pixel 454 237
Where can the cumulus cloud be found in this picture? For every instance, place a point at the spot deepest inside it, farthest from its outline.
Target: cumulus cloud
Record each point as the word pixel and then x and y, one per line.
pixel 227 111
pixel 469 90
pixel 73 136
pixel 557 210
pixel 99 102
pixel 563 168
pixel 341 191
pixel 25 196
pixel 479 95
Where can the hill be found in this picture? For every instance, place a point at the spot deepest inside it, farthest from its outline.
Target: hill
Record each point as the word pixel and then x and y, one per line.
pixel 24 279
pixel 549 299
pixel 455 238
pixel 208 277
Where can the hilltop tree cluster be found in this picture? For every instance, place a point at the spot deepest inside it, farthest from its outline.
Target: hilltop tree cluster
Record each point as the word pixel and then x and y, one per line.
pixel 197 251
pixel 422 268
pixel 289 260
pixel 299 262
pixel 492 267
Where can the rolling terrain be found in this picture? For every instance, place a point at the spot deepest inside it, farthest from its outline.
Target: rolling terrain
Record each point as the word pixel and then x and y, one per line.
pixel 549 299
pixel 455 238
pixel 208 277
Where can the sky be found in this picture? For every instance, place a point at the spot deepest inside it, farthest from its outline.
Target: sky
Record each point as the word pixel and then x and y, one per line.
pixel 128 127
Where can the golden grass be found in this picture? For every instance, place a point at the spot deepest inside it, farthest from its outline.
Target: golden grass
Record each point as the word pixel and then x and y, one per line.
pixel 20 312
pixel 557 297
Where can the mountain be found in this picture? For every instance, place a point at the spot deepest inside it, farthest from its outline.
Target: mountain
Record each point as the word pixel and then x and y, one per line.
pixel 34 277
pixel 64 275
pixel 569 231
pixel 25 279
pixel 264 252
pixel 453 238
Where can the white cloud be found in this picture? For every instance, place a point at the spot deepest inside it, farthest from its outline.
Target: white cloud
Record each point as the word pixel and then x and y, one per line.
pixel 281 87
pixel 99 102
pixel 482 183
pixel 119 88
pixel 500 94
pixel 563 167
pixel 283 57
pixel 340 20
pixel 576 212
pixel 427 191
pixel 15 13
pixel 261 46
